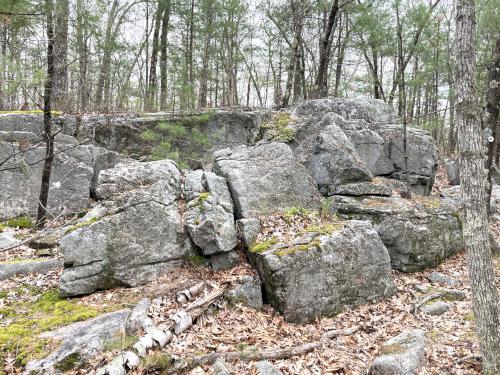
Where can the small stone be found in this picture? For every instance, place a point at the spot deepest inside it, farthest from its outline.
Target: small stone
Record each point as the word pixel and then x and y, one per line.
pixel 248 292
pixel 421 288
pixel 220 367
pixel 7 239
pixel 267 368
pixel 440 278
pixel 224 261
pixel 453 294
pixel 401 355
pixel 435 308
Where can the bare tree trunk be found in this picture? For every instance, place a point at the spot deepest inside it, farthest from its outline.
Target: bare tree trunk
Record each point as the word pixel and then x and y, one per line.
pixel 47 120
pixel 82 57
pixel 153 84
pixel 163 56
pixel 60 83
pixel 473 181
pixel 321 83
pixel 209 15
pixel 492 117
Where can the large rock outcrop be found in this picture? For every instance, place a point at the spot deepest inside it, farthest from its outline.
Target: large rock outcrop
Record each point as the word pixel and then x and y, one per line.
pixel 265 178
pixel 141 236
pixel 347 266
pixel 374 143
pixel 418 234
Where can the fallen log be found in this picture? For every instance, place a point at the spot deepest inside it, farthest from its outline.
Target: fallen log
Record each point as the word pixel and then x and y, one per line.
pixel 189 363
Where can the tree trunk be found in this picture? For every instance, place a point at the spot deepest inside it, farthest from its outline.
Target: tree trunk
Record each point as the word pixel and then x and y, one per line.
pixel 82 56
pixel 321 83
pixel 152 84
pixel 163 56
pixel 473 181
pixel 47 120
pixel 492 117
pixel 60 83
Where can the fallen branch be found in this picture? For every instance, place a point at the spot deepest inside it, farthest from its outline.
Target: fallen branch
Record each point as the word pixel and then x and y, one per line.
pixel 258 355
pixel 156 337
pixel 427 299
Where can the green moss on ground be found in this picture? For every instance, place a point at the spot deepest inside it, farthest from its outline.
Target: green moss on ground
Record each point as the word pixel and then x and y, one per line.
pixel 294 212
pixel 260 247
pixel 22 260
pixel 195 260
pixel 29 319
pixel 22 222
pixel 392 349
pixel 157 362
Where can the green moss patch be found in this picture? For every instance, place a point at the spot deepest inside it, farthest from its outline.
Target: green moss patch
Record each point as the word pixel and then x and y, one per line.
pixel 157 362
pixel 327 228
pixel 27 320
pixel 294 249
pixel 278 127
pixel 82 224
pixel 23 222
pixel 260 247
pixel 392 349
pixel 31 112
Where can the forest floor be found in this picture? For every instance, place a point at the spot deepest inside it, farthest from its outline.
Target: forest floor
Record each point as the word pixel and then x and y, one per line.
pixel 452 342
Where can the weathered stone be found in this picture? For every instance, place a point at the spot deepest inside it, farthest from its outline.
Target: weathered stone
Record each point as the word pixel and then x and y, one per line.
pixel 267 368
pixel 329 155
pixel 209 216
pixel 141 238
pixel 369 110
pixel 19 136
pixel 440 278
pixel 80 341
pixel 454 193
pixel 419 234
pixel 222 261
pixel 248 229
pixel 8 270
pixel 265 178
pixel 435 308
pixel 8 239
pixel 220 367
pixel 247 292
pixel 401 355
pixel 345 268
pixel 362 188
pixel 21 175
pixel 451 166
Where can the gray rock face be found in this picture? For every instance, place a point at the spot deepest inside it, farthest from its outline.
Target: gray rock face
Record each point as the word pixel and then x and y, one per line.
pixel 418 234
pixel 248 229
pixel 80 341
pixel 7 239
pixel 265 178
pixel 348 267
pixel 24 268
pixel 435 308
pixel 21 178
pixel 451 166
pixel 74 174
pixel 362 188
pixel 210 216
pixel 223 261
pixel 375 145
pixel 401 355
pixel 141 237
pixel 248 292
pixel 329 155
pixel 454 194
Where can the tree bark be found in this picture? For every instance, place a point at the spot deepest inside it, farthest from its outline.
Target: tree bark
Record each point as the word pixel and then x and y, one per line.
pixel 165 22
pixel 47 120
pixel 492 117
pixel 473 182
pixel 60 83
pixel 321 83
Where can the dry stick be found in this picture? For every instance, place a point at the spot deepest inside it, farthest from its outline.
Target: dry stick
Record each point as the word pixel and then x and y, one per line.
pixel 256 355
